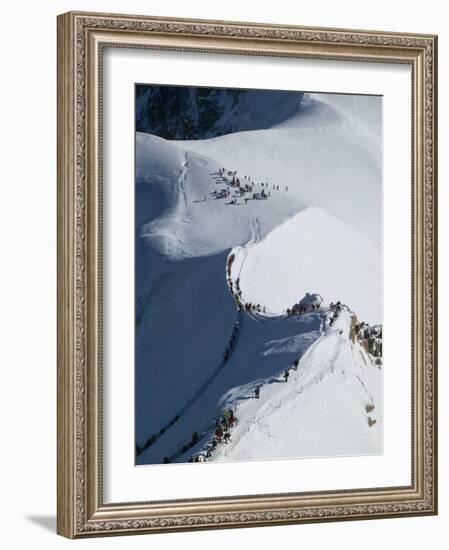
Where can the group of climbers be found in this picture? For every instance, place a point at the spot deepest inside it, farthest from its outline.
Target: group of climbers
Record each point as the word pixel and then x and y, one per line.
pixel 234 288
pixel 222 434
pixel 240 187
pixel 222 427
pixel 232 340
pixel 255 308
pixel 223 424
pixel 336 309
pixel 226 421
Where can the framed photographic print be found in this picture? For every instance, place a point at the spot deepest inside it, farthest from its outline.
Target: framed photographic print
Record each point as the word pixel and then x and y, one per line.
pixel 246 274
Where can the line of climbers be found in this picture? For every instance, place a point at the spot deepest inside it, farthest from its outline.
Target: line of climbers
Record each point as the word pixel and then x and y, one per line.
pixel 337 308
pixel 153 438
pixel 236 291
pixel 222 428
pixel 222 435
pixel 311 302
pixel 193 441
pixel 232 341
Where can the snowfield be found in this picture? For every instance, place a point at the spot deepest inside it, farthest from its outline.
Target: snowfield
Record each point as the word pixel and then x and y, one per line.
pixel 310 223
pixel 328 254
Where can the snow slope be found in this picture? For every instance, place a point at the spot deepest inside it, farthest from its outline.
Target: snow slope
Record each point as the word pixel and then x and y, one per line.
pixel 188 225
pixel 321 410
pixel 319 231
pixel 263 349
pixel 321 164
pixel 328 254
pixel 322 154
pixel 358 113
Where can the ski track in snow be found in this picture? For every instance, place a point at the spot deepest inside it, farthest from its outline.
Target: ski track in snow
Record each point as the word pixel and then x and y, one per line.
pixel 183 203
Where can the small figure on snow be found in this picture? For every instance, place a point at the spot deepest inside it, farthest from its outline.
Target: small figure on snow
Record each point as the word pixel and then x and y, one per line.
pixel 219 434
pixel 232 419
pixel 257 392
pixel 286 375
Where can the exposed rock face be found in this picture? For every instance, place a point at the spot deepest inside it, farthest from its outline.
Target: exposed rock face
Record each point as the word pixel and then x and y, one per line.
pixel 182 112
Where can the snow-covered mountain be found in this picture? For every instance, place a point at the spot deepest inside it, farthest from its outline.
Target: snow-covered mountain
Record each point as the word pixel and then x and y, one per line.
pixel 305 216
pixel 182 112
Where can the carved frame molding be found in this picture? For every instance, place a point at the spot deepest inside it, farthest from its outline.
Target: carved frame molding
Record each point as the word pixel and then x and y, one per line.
pixel 81 39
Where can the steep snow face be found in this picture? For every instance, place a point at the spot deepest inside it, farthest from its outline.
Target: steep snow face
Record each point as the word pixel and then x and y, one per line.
pixel 326 254
pixel 184 321
pixel 331 405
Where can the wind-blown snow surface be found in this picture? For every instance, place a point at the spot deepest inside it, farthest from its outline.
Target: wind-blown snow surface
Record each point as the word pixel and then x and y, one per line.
pixel 320 231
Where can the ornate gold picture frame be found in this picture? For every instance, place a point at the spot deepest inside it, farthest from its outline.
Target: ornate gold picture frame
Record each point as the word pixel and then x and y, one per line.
pixel 82 40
